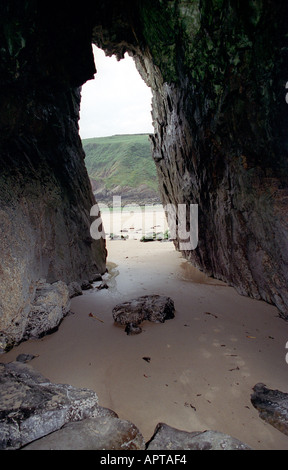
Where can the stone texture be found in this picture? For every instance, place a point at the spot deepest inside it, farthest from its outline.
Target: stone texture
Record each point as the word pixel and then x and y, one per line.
pixel 272 406
pixel 32 407
pixel 154 308
pixel 102 433
pixel 43 314
pixel 50 305
pixel 74 289
pixel 168 438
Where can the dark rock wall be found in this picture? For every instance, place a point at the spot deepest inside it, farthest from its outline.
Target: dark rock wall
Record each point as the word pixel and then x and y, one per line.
pixel 45 192
pixel 218 71
pixel 221 135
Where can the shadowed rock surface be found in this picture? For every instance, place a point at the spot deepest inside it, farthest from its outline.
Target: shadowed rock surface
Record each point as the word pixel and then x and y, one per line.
pixel 272 406
pixel 43 314
pixel 167 438
pixel 50 305
pixel 33 407
pixel 103 433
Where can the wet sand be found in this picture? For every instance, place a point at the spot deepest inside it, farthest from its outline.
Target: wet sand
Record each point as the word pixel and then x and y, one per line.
pixel 204 363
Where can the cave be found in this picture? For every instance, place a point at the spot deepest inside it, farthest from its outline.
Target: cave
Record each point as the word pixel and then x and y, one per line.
pixel 218 74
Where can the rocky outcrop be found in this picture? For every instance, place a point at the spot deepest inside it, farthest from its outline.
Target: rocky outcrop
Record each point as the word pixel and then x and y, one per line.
pixel 154 308
pixel 168 438
pixel 50 305
pixel 101 433
pixel 272 406
pixel 42 315
pixel 31 406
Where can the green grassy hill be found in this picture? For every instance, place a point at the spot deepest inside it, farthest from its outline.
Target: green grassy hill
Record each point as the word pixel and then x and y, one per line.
pixel 121 165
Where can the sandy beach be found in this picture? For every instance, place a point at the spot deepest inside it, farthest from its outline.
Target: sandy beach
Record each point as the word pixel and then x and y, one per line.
pixel 203 363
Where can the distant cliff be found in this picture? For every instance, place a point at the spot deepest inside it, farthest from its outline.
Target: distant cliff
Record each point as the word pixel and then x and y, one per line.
pixel 122 165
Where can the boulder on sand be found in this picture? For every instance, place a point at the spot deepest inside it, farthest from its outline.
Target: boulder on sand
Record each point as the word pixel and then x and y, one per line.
pixel 154 308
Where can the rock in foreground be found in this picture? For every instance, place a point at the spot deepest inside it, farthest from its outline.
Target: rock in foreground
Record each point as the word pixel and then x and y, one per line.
pixel 32 407
pixel 47 307
pixel 167 438
pixel 102 433
pixel 154 308
pixel 51 304
pixel 272 406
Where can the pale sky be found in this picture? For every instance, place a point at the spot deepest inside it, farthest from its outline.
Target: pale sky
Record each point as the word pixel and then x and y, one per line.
pixel 117 101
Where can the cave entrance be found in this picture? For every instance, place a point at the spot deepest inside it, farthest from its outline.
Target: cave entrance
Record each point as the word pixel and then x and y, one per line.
pixel 115 123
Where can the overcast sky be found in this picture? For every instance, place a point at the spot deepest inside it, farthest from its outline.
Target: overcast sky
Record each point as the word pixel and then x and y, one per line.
pixel 117 101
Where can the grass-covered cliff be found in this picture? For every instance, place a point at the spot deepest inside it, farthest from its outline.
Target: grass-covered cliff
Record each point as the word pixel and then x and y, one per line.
pixel 121 165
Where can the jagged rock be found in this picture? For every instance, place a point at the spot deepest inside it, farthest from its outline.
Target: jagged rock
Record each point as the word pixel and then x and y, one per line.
pixel 272 406
pixel 154 308
pixel 101 433
pixel 32 407
pixel 51 304
pixel 41 315
pixel 74 289
pixel 168 438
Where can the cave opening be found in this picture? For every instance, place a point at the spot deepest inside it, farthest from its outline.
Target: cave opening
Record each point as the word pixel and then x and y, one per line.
pixel 115 126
